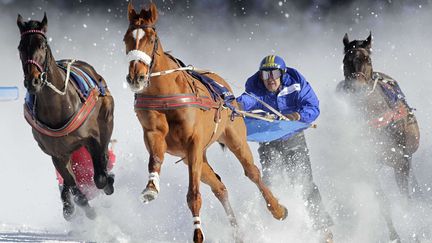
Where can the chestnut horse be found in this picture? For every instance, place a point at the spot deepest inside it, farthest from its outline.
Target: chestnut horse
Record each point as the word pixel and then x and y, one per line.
pixel 179 118
pixel 391 122
pixel 62 119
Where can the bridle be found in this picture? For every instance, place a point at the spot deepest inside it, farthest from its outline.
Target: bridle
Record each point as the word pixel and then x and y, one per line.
pixel 356 75
pixel 45 68
pixel 137 55
pixel 42 69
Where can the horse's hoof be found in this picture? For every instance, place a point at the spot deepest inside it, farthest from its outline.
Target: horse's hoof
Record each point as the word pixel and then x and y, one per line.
pixel 109 188
pixel 148 195
pixel 198 236
pixel 101 181
pixel 285 215
pixel 326 236
pixel 80 199
pixel 90 212
pixel 68 212
pixel 238 237
pixel 394 237
pixel 277 215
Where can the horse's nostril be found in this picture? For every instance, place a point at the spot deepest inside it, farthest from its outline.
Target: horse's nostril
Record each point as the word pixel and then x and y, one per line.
pixel 128 78
pixel 36 81
pixel 141 78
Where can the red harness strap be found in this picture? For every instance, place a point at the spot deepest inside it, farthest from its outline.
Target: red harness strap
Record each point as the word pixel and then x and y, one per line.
pixel 73 124
pixel 171 102
pixel 394 115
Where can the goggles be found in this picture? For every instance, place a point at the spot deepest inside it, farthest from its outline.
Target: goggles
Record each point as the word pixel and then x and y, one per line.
pixel 274 74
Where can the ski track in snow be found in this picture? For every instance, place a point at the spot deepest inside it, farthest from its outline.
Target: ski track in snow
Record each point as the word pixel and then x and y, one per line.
pixel 30 207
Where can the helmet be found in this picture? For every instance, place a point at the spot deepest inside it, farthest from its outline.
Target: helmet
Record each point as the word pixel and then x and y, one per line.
pixel 272 62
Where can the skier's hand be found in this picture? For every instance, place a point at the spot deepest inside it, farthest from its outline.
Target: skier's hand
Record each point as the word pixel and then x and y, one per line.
pixel 295 116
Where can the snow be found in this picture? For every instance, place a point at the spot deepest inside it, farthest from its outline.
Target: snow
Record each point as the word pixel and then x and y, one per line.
pixel 30 199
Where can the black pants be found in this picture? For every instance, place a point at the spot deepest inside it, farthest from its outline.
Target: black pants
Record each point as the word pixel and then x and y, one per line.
pixel 290 159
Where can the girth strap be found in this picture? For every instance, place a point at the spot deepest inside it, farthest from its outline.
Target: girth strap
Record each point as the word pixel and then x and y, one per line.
pixel 171 102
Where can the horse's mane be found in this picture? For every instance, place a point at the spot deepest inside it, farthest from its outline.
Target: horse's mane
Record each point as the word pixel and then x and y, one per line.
pixel 175 59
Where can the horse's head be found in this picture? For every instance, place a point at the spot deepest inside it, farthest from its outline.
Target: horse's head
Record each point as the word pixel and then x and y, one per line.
pixel 141 45
pixel 34 52
pixel 357 62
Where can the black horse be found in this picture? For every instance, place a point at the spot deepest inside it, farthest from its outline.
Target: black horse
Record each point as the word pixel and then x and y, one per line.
pixel 392 126
pixel 64 117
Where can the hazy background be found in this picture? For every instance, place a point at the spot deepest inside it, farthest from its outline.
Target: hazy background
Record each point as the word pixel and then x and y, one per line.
pixel 230 38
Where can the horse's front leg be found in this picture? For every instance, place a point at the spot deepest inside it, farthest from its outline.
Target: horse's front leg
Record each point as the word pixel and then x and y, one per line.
pixel 68 181
pixel 402 170
pixel 195 164
pixel 156 146
pixel 99 153
pixel 385 210
pixel 70 187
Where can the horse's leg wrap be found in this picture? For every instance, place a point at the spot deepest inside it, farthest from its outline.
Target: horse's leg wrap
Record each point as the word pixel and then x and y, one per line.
pixel 198 233
pixel 153 188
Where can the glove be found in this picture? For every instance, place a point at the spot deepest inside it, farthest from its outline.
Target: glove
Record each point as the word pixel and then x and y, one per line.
pixel 295 116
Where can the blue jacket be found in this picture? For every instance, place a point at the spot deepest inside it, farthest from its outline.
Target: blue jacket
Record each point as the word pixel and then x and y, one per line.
pixel 295 95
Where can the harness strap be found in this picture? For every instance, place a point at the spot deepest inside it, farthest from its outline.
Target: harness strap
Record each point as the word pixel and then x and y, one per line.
pixel 376 79
pixel 389 117
pixel 68 70
pixel 276 112
pixel 73 124
pixel 171 102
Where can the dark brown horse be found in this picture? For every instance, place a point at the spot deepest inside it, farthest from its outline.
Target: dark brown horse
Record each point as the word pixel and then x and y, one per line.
pixel 62 118
pixel 179 118
pixel 391 123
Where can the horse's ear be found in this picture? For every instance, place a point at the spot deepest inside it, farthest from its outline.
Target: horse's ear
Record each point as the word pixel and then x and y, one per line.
pixel 153 13
pixel 44 23
pixel 131 12
pixel 369 41
pixel 20 22
pixel 346 40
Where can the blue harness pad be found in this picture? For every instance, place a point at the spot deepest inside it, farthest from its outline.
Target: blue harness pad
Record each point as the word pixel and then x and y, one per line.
pixel 264 131
pixel 393 92
pixel 216 89
pixel 79 76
